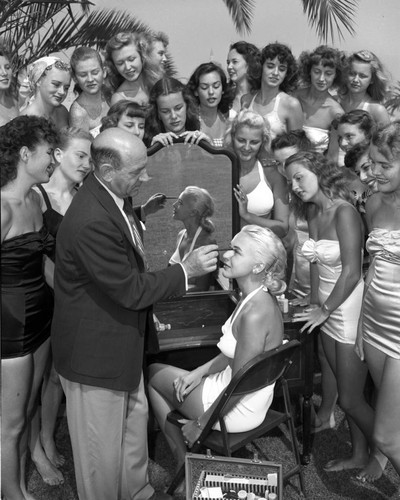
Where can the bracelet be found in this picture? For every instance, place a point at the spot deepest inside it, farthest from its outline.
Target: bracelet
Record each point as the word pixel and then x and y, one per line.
pixel 197 422
pixel 325 309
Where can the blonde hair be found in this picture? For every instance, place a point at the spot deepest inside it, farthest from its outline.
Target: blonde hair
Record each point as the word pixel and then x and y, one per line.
pixel 248 118
pixel 272 254
pixel 203 204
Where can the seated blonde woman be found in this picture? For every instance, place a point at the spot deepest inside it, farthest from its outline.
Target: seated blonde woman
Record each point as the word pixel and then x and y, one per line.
pixel 257 261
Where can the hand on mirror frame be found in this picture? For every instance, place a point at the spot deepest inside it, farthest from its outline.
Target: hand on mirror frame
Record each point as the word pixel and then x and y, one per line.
pixel 195 136
pixel 201 261
pixel 155 203
pixel 166 138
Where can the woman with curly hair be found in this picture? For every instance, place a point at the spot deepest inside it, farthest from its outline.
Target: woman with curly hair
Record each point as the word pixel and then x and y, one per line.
pixel 26 159
pixel 320 195
pixel 320 71
pixel 209 87
pixel 279 76
pixel 365 85
pixel 244 70
pixel 172 114
pixel 351 128
pixel 49 79
pixel 8 98
pixel 262 194
pixel 257 261
pixel 378 339
pixel 132 72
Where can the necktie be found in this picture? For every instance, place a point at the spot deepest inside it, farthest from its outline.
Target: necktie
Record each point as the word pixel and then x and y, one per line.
pixel 128 209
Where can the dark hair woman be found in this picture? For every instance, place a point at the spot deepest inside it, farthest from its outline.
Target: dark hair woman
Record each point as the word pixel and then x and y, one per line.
pixel 279 76
pixel 209 87
pixel 26 159
pixel 172 114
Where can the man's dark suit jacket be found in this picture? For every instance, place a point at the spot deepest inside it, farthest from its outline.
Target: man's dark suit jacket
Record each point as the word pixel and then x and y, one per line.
pixel 103 297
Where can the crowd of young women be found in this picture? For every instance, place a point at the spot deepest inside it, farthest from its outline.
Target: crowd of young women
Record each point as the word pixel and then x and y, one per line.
pixel 302 131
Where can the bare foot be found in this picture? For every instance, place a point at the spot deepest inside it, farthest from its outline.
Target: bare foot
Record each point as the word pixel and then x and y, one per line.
pixel 50 474
pixel 321 425
pixel 340 464
pixel 374 468
pixel 52 453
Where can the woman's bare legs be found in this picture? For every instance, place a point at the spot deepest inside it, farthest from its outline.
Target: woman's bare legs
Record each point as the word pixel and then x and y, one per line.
pixel 325 418
pixel 163 400
pixel 44 418
pixel 351 375
pixel 52 394
pixel 16 375
pixel 385 372
pixel 40 357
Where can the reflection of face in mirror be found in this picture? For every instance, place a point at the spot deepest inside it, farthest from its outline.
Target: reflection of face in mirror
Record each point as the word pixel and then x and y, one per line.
pixel 194 208
pixel 172 112
pixel 172 170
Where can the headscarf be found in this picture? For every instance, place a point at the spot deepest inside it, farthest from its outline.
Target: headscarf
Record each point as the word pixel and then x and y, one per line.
pixel 34 73
pixel 36 70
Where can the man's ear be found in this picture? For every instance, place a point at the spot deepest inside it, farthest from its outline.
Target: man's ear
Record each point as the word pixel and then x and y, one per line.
pixel 106 171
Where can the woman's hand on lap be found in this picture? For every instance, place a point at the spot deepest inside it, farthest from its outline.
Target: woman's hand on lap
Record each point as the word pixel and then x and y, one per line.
pixel 185 384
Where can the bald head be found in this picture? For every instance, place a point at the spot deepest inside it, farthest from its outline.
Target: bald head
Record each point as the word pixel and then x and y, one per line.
pixel 119 159
pixel 118 145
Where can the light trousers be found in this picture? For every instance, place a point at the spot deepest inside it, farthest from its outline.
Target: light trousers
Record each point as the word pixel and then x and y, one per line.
pixel 108 431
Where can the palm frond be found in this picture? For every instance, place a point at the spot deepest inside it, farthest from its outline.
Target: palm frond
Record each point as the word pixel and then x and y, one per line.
pixel 36 29
pixel 328 16
pixel 101 25
pixel 241 12
pixel 11 10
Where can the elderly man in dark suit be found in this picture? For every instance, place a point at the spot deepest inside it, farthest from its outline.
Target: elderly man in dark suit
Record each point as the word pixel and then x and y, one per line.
pixel 103 317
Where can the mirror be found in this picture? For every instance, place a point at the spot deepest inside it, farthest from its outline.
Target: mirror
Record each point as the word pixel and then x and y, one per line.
pixel 173 168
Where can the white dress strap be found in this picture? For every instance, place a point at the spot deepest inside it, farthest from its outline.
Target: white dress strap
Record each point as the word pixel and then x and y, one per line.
pixel 276 105
pixel 246 299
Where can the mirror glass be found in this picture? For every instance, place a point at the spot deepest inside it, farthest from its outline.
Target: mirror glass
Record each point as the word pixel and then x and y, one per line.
pixel 171 170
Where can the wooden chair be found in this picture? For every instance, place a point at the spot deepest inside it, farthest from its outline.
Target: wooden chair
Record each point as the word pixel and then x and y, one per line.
pixel 263 370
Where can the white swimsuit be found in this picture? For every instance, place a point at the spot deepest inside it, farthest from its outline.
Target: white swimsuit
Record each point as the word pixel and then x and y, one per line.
pixel 260 201
pixel 276 124
pixel 319 138
pixel 176 256
pixel 342 323
pixel 251 409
